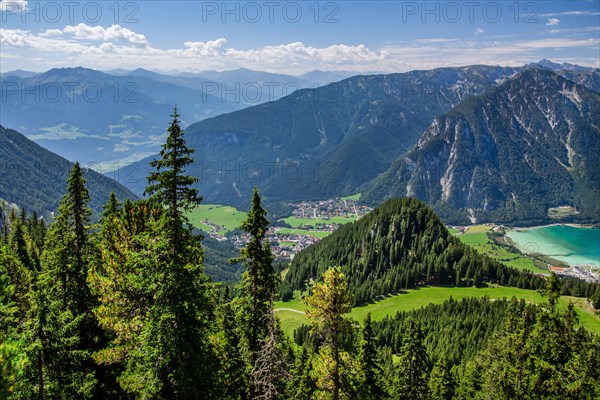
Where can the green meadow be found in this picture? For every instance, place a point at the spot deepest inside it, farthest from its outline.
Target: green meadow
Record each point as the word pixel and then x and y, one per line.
pixel 318 234
pixel 297 222
pixel 227 218
pixel 352 197
pixel 291 313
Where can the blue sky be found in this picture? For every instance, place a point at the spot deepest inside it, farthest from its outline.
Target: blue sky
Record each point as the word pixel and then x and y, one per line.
pixel 295 37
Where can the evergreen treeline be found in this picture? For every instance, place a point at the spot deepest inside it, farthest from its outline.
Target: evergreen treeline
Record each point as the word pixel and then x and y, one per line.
pixel 123 309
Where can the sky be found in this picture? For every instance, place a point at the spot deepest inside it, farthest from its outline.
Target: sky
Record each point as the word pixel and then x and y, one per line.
pixel 295 37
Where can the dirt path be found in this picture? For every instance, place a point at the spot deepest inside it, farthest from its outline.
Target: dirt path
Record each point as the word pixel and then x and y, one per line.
pixel 290 309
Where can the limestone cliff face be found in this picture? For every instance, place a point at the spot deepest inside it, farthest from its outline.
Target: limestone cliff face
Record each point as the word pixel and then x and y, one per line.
pixel 511 153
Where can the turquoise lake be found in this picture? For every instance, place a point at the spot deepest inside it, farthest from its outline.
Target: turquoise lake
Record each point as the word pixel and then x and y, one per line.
pixel 573 245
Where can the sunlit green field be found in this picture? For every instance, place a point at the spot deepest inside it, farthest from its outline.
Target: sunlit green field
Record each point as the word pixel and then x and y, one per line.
pixel 291 314
pixel 297 222
pixel 353 197
pixel 319 234
pixel 227 218
pixel 476 236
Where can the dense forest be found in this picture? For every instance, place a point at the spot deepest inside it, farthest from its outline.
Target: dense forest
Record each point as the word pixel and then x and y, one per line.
pixel 123 309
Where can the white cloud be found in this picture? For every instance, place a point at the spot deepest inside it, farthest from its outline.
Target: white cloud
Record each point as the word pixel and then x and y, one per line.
pixel 583 29
pixel 13 6
pixel 552 21
pixel 576 13
pixel 479 31
pixel 117 47
pixel 51 32
pixel 210 48
pixel 435 40
pixel 115 32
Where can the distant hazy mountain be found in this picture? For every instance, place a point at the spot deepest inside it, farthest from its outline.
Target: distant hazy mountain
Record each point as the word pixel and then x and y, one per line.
pixel 35 178
pixel 324 142
pixel 19 74
pixel 94 117
pixel 252 87
pixel 507 155
pixel 558 66
pixel 325 77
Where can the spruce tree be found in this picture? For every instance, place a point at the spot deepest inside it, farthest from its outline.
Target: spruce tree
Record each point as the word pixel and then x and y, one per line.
pixel 441 382
pixel 170 186
pixel 63 331
pixel 269 372
pixel 233 375
pixel 413 371
pixel 371 387
pixel 301 386
pixel 152 264
pixel 257 286
pixel 12 355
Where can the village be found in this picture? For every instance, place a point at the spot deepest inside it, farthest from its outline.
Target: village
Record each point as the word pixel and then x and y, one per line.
pixel 310 221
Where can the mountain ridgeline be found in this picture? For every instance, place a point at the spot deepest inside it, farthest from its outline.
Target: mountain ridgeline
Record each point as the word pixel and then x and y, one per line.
pixel 399 245
pixel 35 178
pixel 507 155
pixel 323 142
pixel 87 115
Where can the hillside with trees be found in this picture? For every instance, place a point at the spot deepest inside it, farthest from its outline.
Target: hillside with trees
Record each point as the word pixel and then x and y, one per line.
pixel 123 309
pixel 399 245
pixel 35 178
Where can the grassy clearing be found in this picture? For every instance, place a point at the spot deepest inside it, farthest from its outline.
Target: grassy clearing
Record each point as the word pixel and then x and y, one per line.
pixel 297 222
pixel 562 212
pixel 353 197
pixel 305 232
pixel 476 236
pixel 291 313
pixel 287 243
pixel 227 218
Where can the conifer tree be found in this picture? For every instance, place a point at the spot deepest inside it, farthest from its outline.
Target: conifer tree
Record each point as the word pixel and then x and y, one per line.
pixel 301 386
pixel 170 186
pixel 19 244
pixel 371 387
pixel 12 356
pixel 63 331
pixel 152 267
pixel 258 282
pixel 112 207
pixel 329 302
pixel 269 372
pixel 233 375
pixel 441 382
pixel 413 371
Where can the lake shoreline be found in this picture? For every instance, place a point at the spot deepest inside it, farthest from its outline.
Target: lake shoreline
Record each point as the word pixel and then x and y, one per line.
pixel 572 244
pixel 528 228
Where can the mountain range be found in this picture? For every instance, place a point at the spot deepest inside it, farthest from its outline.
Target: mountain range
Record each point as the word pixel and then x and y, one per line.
pixel 372 134
pixel 93 117
pixel 510 154
pixel 327 141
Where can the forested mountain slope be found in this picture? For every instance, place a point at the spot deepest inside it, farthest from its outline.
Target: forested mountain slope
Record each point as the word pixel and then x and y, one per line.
pixel 35 178
pixel 398 245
